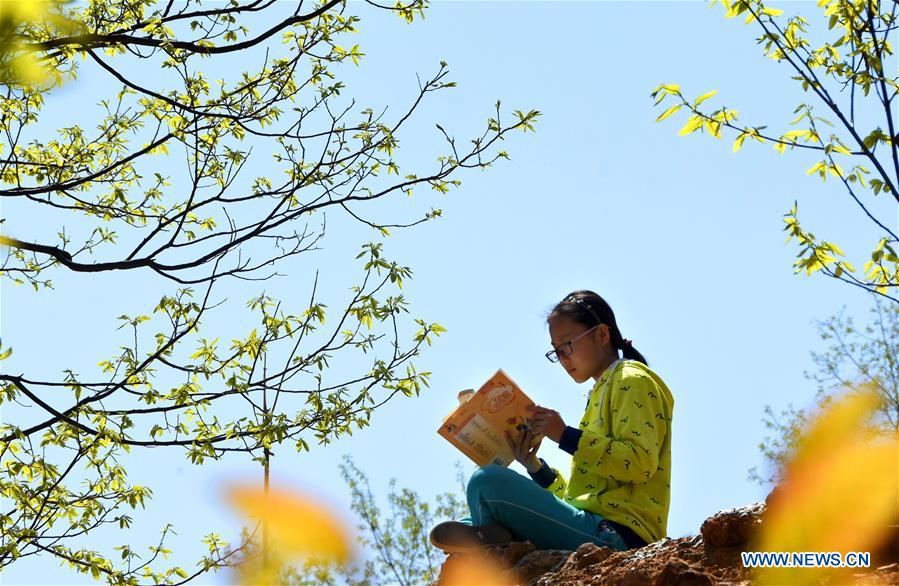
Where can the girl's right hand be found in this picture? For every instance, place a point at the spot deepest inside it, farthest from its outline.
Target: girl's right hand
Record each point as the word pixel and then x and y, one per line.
pixel 524 450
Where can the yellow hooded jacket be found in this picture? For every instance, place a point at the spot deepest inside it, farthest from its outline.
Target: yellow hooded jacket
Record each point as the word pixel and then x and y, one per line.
pixel 621 461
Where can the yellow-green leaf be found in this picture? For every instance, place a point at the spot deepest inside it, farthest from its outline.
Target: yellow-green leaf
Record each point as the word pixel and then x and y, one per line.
pixel 704 97
pixel 817 167
pixel 669 112
pixel 692 124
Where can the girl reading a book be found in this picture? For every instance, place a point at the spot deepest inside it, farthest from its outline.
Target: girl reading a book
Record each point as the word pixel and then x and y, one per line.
pixel 618 489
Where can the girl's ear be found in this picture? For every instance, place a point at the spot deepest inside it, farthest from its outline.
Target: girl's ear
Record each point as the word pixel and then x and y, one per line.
pixel 603 335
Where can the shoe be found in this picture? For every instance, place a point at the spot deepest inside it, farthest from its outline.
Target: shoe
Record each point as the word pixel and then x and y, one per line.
pixel 454 537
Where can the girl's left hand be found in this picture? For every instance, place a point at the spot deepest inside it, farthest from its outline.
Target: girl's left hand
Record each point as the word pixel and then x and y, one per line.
pixel 546 422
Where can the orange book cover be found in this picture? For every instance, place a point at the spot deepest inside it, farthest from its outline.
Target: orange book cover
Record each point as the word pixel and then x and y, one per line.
pixel 477 426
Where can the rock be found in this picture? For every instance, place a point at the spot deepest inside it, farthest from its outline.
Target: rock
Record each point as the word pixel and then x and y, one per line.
pixel 589 554
pixel 679 572
pixel 538 563
pixel 888 574
pixel 516 550
pixel 710 557
pixel 631 577
pixel 733 526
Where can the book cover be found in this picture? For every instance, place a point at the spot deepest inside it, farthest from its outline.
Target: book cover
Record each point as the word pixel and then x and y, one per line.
pixel 478 425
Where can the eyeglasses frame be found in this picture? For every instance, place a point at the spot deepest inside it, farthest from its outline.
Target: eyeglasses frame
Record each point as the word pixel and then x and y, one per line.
pixel 555 351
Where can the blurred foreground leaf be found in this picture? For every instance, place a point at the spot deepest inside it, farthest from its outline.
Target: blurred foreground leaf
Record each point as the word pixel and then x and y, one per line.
pixel 474 569
pixel 19 63
pixel 300 527
pixel 839 492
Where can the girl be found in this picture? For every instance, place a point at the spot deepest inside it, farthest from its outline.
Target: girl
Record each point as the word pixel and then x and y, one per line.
pixel 619 487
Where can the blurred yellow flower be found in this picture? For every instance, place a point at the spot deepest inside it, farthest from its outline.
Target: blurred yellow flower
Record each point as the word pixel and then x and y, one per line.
pixel 19 65
pixel 840 492
pixel 474 570
pixel 299 526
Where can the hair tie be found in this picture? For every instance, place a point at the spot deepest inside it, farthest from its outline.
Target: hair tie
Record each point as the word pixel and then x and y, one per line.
pixel 628 344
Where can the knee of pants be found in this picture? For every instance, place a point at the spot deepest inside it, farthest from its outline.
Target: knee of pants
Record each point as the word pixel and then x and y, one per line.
pixel 487 479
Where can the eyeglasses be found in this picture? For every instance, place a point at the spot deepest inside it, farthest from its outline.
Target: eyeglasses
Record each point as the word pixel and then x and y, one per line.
pixel 565 349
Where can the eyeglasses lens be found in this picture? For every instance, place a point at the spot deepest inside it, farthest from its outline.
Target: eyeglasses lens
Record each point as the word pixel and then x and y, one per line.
pixel 560 352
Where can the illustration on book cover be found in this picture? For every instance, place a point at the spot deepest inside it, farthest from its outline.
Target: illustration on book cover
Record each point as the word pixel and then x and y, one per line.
pixel 478 425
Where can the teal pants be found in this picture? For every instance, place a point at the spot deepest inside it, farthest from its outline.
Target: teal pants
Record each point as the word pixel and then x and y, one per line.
pixel 499 495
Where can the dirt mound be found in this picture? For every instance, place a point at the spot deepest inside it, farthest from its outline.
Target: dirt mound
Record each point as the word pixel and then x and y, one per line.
pixel 710 557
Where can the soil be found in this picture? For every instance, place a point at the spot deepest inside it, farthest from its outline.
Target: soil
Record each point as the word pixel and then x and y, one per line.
pixel 712 556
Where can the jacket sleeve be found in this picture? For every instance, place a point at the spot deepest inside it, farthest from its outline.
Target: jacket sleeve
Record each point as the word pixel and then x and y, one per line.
pixel 550 479
pixel 638 428
pixel 559 485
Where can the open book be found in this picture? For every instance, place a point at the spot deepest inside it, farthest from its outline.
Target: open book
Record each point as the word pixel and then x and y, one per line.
pixel 479 424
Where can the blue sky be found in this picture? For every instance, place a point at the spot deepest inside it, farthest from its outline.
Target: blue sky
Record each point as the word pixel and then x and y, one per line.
pixel 682 237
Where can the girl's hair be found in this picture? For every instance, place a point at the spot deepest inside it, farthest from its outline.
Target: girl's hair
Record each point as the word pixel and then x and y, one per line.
pixel 589 309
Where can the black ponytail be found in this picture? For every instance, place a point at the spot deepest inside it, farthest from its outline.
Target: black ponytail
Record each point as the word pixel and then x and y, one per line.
pixel 589 309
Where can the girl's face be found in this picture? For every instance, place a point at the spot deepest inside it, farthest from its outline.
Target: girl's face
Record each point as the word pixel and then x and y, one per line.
pixel 585 357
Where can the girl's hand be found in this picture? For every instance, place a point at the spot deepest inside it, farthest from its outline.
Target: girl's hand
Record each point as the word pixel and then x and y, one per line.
pixel 525 450
pixel 546 422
